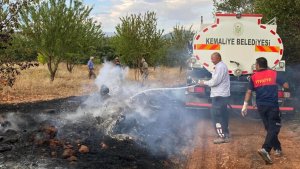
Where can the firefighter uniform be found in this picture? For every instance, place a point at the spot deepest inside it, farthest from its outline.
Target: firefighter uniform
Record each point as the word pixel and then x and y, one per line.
pixel 264 83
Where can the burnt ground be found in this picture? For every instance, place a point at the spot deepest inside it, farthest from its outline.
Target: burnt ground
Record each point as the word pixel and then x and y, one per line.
pixel 39 141
pixel 35 135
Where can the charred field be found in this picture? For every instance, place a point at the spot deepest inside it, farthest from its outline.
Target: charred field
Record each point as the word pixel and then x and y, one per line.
pixel 71 133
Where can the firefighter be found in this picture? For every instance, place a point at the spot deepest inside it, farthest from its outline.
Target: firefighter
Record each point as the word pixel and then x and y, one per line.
pixel 144 71
pixel 264 83
pixel 220 92
pixel 90 65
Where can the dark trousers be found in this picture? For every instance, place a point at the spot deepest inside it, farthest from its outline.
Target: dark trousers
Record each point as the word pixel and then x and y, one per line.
pixel 220 115
pixel 272 122
pixel 92 73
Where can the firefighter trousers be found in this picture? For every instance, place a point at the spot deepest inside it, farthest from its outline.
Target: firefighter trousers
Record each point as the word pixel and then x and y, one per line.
pixel 220 115
pixel 271 118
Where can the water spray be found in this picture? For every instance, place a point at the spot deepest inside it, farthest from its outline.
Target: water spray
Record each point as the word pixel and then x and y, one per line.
pixel 159 89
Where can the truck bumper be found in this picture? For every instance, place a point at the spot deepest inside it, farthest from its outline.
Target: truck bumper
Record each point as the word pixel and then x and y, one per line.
pixel 198 105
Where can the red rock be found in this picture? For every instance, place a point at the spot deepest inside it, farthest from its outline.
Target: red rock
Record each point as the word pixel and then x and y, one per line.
pixel 72 158
pixel 67 153
pixel 53 143
pixel 68 146
pixel 83 149
pixel 51 131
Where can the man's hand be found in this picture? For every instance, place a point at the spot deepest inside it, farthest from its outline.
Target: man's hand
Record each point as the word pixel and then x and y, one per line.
pixel 201 82
pixel 244 109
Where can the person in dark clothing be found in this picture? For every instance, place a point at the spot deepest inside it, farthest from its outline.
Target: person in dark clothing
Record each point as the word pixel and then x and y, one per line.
pixel 117 62
pixel 264 83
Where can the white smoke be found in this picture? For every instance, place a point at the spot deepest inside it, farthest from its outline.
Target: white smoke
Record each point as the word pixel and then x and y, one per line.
pixel 154 116
pixel 150 115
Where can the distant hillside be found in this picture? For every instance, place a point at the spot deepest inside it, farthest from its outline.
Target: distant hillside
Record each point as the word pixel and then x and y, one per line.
pixel 109 34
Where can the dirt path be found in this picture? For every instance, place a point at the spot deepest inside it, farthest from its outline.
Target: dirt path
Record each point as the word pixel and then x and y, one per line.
pixel 240 153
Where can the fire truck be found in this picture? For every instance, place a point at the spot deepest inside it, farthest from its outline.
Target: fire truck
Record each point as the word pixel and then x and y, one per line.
pixel 240 39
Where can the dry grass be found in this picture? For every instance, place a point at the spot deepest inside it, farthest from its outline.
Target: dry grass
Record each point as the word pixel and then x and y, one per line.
pixel 34 84
pixel 163 76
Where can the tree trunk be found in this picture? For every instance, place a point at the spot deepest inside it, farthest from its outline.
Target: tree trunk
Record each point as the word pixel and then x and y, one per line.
pixel 52 67
pixel 180 68
pixel 70 67
pixel 52 76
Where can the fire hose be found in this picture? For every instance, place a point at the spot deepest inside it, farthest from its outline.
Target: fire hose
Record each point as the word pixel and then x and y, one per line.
pixel 159 89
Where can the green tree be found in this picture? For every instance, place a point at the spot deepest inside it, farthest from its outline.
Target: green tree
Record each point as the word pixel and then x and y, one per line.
pixel 287 17
pixel 59 31
pixel 87 37
pixel 178 52
pixel 233 6
pixel 106 52
pixel 137 36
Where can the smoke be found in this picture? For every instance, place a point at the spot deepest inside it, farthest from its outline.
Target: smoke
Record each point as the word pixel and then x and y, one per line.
pixel 162 122
pixel 9 121
pixel 155 117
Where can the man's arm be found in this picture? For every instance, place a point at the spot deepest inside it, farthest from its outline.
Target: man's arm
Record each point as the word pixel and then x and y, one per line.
pixel 248 95
pixel 246 100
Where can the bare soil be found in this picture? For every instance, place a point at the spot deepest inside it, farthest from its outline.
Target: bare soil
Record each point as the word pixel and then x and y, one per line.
pixel 247 137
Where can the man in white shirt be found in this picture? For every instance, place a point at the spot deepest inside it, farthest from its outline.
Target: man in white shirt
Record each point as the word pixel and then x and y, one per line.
pixel 220 92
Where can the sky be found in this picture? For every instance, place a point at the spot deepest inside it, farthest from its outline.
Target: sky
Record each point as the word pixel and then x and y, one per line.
pixel 169 12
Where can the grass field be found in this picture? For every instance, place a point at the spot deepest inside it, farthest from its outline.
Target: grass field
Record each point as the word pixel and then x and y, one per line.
pixel 34 84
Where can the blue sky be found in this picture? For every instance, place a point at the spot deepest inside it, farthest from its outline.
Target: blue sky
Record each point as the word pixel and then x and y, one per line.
pixel 168 12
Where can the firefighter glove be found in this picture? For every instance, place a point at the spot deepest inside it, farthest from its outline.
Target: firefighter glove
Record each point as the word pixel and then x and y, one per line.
pixel 244 109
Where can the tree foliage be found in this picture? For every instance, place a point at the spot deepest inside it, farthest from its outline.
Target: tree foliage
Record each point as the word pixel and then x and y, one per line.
pixel 107 52
pixel 87 36
pixel 137 36
pixel 178 49
pixel 233 6
pixel 13 53
pixel 287 16
pixel 60 31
